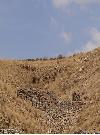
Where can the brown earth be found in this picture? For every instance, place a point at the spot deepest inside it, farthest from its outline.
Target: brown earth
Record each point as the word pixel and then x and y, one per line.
pixel 60 95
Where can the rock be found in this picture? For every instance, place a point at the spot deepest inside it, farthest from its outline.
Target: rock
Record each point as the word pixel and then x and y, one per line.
pixel 75 97
pixel 57 113
pixel 81 69
pixel 85 59
pixel 9 131
pixel 80 132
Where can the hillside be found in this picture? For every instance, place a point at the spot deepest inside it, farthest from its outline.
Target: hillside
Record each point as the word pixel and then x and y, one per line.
pixel 60 95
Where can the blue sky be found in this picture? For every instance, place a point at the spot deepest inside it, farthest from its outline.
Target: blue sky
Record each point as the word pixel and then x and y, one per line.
pixel 38 28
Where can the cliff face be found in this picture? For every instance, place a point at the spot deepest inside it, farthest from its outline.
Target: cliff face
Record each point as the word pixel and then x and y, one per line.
pixel 60 95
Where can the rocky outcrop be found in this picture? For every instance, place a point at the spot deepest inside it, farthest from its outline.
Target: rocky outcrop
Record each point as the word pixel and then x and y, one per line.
pixel 57 113
pixel 9 131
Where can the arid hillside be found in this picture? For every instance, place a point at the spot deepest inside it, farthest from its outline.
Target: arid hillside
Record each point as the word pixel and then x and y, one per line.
pixel 60 95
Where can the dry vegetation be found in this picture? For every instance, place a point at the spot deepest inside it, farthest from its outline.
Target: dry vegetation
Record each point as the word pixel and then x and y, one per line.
pixel 74 80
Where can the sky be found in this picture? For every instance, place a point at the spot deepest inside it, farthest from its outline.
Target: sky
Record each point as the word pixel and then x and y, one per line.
pixel 47 28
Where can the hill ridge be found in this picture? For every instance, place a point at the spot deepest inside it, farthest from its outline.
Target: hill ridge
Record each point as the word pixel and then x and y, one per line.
pixel 73 80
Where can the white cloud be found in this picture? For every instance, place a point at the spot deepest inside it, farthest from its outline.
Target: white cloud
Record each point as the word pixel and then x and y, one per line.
pixel 85 2
pixel 61 3
pixel 70 12
pixel 95 40
pixel 95 18
pixel 95 34
pixel 66 36
pixel 64 3
pixel 53 20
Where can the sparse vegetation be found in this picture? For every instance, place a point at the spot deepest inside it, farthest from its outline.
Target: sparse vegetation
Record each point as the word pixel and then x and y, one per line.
pixel 60 56
pixel 71 84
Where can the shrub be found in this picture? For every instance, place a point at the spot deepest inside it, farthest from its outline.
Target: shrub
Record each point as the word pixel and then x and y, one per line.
pixel 60 56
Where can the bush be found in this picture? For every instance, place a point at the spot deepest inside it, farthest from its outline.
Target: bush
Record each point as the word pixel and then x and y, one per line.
pixel 60 56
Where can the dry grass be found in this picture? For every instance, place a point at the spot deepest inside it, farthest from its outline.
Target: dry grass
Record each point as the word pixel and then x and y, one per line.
pixel 79 73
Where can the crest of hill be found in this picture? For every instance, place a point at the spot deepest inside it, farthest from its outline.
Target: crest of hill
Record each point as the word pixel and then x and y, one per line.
pixel 78 74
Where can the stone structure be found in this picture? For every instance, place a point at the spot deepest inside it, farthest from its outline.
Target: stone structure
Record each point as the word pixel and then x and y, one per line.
pixel 58 113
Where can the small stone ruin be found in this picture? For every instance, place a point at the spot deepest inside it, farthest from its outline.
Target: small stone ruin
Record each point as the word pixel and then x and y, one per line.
pixel 40 99
pixel 58 113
